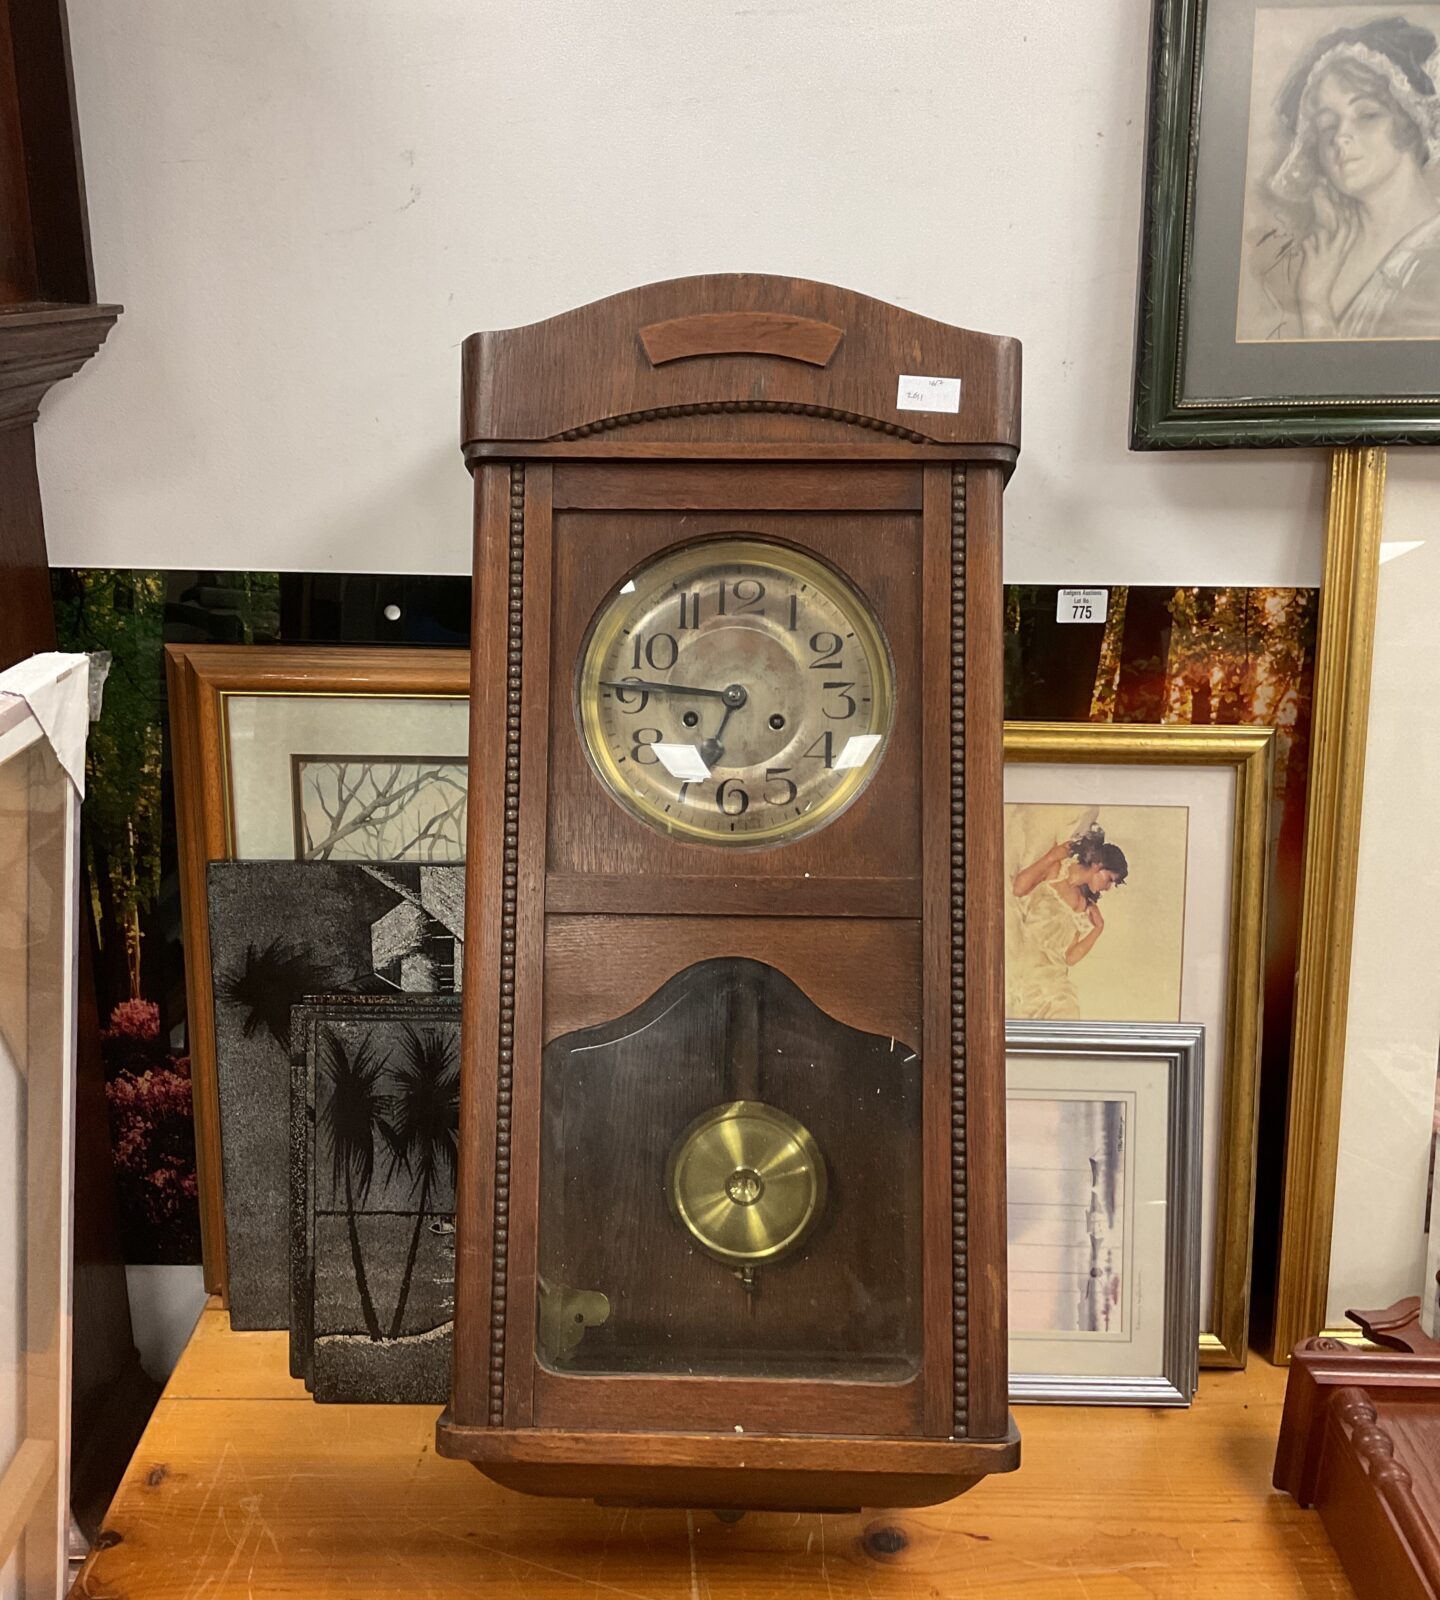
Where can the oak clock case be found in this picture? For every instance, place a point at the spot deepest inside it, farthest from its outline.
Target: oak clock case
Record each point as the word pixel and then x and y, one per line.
pixel 724 1234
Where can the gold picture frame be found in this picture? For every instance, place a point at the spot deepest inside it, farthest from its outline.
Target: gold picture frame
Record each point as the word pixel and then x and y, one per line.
pixel 201 680
pixel 1250 753
pixel 1344 651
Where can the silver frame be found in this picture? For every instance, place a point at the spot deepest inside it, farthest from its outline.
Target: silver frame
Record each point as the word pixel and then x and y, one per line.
pixel 1182 1046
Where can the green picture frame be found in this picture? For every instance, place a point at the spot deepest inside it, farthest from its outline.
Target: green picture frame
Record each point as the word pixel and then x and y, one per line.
pixel 1211 125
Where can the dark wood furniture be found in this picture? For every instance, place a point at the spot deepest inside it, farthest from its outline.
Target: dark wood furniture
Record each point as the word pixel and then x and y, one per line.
pixel 1360 1442
pixel 50 325
pixel 760 408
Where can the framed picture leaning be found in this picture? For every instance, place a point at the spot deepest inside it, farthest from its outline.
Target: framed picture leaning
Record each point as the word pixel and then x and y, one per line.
pixel 1136 869
pixel 1103 1211
pixel 302 753
pixel 1290 267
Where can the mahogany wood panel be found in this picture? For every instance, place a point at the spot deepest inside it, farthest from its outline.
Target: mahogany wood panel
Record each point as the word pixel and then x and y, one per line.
pixel 17 244
pixel 692 896
pixel 44 108
pixel 982 975
pixel 802 1452
pixel 586 369
pixel 941 1224
pixel 739 333
pixel 529 968
pixel 27 622
pixel 718 486
pixel 491 816
pixel 1360 1441
pixel 683 436
pixel 878 836
pixel 864 973
pixel 767 1410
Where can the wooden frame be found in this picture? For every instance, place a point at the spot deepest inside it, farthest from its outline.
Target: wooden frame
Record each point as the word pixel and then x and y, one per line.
pixel 41 956
pixel 200 679
pixel 1358 1443
pixel 1332 853
pixel 1163 417
pixel 1250 753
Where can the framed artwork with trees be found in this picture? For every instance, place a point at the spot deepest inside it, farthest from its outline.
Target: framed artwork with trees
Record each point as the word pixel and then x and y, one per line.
pixel 375 1103
pixel 294 753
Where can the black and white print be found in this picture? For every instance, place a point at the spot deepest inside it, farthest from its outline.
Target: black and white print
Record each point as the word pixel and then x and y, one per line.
pixel 281 932
pixel 362 808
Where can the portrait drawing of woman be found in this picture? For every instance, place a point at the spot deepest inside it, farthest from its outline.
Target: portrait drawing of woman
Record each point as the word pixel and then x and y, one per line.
pixel 1343 220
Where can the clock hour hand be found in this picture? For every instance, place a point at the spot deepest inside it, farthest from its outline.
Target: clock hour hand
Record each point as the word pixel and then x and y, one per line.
pixel 664 688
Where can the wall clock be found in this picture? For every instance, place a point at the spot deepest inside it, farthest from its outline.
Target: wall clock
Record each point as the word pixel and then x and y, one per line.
pixel 731 1210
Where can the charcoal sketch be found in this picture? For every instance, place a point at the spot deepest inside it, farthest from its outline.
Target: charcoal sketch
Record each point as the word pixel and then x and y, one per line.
pixel 1342 201
pixel 362 808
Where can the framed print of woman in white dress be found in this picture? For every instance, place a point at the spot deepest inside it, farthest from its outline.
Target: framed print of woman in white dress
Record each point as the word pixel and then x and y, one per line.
pixel 1067 956
pixel 1058 920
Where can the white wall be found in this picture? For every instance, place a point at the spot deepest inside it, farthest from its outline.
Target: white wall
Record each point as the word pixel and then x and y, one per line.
pixel 306 204
pixel 165 1305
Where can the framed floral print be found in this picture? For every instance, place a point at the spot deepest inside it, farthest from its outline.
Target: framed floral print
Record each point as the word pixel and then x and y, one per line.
pixel 1136 864
pixel 302 753
pixel 1290 271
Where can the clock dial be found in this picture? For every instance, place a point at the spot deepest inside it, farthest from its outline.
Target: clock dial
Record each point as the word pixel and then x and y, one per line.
pixel 735 691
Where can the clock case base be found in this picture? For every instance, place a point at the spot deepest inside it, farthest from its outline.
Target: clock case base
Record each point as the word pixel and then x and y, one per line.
pixel 724 1472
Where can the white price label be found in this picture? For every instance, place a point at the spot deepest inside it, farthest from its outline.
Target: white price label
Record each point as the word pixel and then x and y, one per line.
pixel 927 394
pixel 1081 605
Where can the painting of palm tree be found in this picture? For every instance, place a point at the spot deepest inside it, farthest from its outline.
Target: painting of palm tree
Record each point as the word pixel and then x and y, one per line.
pixel 374 1223
pixel 423 1133
pixel 282 933
pixel 353 1122
pixel 268 981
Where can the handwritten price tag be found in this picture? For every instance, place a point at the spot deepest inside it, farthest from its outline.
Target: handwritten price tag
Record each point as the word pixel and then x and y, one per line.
pixel 1081 605
pixel 927 394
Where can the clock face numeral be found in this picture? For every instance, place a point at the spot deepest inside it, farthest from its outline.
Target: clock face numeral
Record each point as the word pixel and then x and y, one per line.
pixel 765 686
pixel 660 652
pixel 825 648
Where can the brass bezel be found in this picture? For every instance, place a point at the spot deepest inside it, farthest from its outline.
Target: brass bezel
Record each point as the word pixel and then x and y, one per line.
pixel 607 623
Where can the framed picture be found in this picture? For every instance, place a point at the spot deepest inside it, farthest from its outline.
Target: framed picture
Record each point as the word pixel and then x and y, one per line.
pixel 1290 271
pixel 1136 863
pixel 372 1242
pixel 281 932
pixel 1359 1213
pixel 295 753
pixel 1103 1210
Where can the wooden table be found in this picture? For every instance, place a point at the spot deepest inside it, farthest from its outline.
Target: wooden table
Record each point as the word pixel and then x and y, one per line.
pixel 242 1486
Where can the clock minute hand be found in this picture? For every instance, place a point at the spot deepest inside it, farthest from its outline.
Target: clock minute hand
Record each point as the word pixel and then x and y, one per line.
pixel 660 688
